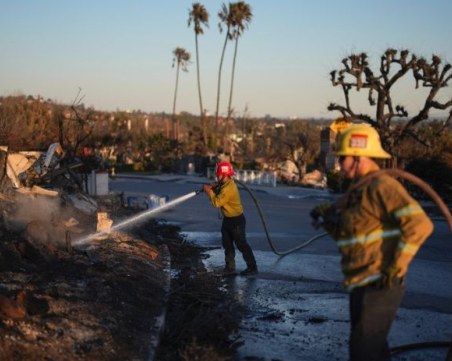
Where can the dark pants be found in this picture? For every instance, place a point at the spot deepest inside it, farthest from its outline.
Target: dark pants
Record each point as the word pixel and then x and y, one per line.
pixel 372 310
pixel 233 231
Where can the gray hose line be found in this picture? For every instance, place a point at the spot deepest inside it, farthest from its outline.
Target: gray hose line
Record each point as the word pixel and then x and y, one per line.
pixel 264 223
pixel 421 345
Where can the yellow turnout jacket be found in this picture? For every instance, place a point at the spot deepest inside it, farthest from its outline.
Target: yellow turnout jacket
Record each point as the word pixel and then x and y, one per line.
pixel 381 225
pixel 227 199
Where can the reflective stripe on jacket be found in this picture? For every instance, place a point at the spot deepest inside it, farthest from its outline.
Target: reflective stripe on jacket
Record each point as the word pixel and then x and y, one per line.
pixel 381 226
pixel 227 199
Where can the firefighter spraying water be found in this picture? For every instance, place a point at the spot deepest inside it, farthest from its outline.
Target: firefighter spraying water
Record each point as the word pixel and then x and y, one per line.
pixel 225 195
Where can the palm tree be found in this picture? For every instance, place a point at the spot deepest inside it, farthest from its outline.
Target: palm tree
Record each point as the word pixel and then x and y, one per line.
pixel 199 16
pixel 181 60
pixel 225 20
pixel 240 18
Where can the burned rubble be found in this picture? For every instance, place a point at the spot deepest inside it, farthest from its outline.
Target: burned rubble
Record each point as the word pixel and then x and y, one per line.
pixel 99 300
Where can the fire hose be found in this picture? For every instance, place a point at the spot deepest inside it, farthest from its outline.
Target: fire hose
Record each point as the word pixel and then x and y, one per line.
pixel 397 173
pixel 267 233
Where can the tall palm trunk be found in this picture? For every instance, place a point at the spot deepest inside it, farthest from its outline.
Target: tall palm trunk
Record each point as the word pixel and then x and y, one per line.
pixel 232 77
pixel 219 86
pixel 203 122
pixel 231 89
pixel 175 126
pixel 182 58
pixel 199 16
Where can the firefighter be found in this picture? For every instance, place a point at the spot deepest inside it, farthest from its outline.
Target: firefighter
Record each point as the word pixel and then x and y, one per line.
pixel 379 228
pixel 225 195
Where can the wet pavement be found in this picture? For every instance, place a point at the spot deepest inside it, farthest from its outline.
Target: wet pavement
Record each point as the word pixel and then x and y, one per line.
pixel 296 306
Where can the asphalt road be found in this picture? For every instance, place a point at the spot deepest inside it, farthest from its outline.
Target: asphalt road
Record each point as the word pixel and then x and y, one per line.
pixel 297 309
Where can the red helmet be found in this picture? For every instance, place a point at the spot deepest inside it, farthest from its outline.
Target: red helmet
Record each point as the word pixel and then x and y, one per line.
pixel 224 168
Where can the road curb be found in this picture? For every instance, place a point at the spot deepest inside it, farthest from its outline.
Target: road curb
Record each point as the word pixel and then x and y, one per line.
pixel 159 325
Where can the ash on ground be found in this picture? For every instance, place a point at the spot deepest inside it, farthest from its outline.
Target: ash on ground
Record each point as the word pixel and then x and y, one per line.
pixel 105 301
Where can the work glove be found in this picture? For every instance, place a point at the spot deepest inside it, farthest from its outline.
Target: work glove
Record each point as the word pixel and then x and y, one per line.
pixel 325 215
pixel 206 188
pixel 216 187
pixel 320 210
pixel 390 274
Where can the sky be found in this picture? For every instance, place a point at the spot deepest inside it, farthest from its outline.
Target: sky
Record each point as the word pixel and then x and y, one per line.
pixel 119 53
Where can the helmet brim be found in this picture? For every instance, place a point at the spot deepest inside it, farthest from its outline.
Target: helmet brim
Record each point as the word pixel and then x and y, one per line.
pixel 360 153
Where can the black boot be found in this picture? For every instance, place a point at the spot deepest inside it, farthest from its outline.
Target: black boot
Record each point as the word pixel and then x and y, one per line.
pixel 227 271
pixel 249 271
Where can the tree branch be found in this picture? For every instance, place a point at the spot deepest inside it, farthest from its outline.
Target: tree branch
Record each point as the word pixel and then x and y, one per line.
pixel 394 66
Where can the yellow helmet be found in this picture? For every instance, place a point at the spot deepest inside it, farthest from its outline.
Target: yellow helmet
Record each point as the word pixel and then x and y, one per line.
pixel 360 140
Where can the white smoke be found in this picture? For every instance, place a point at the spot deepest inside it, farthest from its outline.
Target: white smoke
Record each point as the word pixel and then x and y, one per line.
pixel 42 209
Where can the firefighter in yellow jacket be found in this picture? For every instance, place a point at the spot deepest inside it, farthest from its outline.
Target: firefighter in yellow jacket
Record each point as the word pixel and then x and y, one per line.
pixel 379 228
pixel 225 195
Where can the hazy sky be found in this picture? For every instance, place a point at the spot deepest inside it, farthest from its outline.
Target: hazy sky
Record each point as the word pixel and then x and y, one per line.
pixel 120 52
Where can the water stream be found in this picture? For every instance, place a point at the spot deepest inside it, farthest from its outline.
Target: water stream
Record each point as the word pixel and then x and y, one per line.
pixel 135 219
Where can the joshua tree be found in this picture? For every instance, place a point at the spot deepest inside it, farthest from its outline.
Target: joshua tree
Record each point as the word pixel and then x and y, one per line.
pixel 356 73
pixel 199 16
pixel 240 17
pixel 181 60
